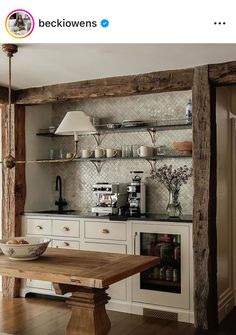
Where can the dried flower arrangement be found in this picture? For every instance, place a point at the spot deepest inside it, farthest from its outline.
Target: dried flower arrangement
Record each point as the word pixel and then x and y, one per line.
pixel 172 179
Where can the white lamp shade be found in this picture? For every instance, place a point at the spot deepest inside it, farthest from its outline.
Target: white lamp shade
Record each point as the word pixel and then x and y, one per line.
pixel 75 123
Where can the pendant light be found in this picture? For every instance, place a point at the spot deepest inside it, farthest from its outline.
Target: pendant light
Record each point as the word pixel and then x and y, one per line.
pixel 74 123
pixel 10 50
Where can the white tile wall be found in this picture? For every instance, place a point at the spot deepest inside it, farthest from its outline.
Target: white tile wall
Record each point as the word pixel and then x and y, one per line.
pixel 78 178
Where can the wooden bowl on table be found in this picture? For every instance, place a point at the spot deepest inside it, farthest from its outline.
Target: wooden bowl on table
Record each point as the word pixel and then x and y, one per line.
pixel 184 147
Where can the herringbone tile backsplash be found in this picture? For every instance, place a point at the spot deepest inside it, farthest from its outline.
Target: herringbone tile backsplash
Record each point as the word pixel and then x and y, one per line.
pixel 78 178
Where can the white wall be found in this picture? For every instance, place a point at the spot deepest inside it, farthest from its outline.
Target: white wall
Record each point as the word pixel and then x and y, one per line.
pixel 38 176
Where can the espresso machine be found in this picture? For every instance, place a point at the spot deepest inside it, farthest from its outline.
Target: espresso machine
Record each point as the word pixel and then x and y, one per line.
pixel 108 198
pixel 136 194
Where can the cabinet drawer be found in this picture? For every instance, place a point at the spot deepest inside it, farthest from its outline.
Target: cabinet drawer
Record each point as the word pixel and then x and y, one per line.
pixel 105 247
pixel 105 230
pixel 65 228
pixel 39 227
pixel 39 284
pixel 65 244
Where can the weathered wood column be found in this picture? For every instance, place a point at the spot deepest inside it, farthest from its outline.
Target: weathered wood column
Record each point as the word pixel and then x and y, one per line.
pixel 204 201
pixel 3 95
pixel 13 185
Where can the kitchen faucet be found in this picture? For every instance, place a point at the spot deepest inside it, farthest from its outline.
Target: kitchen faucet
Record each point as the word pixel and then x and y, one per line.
pixel 60 202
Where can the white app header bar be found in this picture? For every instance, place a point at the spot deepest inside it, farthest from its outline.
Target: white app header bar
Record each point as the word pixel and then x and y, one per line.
pixel 107 21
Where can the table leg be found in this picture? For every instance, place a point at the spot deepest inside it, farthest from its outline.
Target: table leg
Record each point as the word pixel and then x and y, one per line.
pixel 89 315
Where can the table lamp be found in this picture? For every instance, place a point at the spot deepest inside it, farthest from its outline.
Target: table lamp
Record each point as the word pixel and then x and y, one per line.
pixel 75 123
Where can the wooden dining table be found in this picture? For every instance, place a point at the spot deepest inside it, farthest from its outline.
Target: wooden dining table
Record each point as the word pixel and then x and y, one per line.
pixel 86 275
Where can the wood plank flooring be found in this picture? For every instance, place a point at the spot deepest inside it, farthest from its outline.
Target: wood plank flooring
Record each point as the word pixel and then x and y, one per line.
pixel 36 316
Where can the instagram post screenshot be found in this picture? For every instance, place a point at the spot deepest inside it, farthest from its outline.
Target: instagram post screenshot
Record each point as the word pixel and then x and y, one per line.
pixel 118 167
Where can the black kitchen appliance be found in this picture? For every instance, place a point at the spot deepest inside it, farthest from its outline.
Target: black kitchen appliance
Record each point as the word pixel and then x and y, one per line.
pixel 136 194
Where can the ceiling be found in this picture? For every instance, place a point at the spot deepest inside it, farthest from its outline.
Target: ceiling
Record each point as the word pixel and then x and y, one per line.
pixel 44 64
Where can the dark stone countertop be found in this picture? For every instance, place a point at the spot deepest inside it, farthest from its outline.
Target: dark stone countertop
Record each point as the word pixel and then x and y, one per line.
pixel 162 217
pixel 146 217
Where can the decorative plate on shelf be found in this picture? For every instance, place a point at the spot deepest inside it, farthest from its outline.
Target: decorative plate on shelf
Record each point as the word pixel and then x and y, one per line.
pixel 133 123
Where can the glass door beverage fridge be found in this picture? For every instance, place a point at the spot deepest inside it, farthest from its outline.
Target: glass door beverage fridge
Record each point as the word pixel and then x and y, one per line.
pixel 168 283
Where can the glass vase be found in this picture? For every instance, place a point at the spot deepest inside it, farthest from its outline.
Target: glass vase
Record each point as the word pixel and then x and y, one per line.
pixel 174 209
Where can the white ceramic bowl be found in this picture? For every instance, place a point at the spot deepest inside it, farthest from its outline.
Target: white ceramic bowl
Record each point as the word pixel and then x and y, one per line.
pixel 25 252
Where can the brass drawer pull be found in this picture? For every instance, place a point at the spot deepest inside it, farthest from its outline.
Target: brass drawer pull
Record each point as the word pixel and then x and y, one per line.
pixel 66 244
pixel 65 228
pixel 105 231
pixel 39 227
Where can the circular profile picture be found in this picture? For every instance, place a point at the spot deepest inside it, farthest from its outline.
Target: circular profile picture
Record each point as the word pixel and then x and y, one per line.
pixel 19 23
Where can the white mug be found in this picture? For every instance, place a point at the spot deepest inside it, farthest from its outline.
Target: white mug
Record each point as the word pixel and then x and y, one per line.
pixel 144 151
pixel 86 153
pixel 111 153
pixel 99 152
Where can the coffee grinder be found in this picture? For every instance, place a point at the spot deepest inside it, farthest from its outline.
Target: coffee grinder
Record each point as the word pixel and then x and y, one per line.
pixel 136 194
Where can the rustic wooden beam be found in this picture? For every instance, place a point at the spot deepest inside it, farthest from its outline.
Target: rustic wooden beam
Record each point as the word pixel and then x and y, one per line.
pixel 223 74
pixel 155 82
pixel 204 201
pixel 14 186
pixel 3 95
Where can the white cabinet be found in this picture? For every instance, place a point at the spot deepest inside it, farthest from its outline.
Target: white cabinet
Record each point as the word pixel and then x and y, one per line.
pixel 65 228
pixel 116 291
pixel 105 247
pixel 39 284
pixel 100 235
pixel 105 230
pixel 64 234
pixel 65 244
pixel 39 226
pixel 107 236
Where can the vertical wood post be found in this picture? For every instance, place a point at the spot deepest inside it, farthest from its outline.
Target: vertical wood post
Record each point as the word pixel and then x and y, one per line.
pixel 204 201
pixel 13 186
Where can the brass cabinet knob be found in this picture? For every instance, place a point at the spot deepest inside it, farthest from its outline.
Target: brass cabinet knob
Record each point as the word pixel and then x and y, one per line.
pixel 66 244
pixel 39 227
pixel 105 231
pixel 65 228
